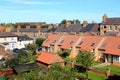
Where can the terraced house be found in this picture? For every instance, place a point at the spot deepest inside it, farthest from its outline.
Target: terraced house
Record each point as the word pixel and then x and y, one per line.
pixel 110 26
pixel 105 48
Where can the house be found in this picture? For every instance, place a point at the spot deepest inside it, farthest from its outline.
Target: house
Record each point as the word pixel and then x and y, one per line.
pixel 90 29
pixel 110 50
pixel 8 39
pixel 90 43
pixel 23 41
pixel 2 29
pixel 47 59
pixel 110 26
pixel 50 44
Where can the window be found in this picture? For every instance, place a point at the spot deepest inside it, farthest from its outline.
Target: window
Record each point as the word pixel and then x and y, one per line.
pixel 116 58
pixel 105 27
pixel 12 38
pixel 115 27
pixel 102 56
pixel 5 39
pixel 110 27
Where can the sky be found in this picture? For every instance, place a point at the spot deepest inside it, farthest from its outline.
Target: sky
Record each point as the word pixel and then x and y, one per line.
pixel 54 11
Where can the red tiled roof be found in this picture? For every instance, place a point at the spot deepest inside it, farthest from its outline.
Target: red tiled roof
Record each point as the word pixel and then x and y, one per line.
pixel 112 44
pixel 89 42
pixel 51 39
pixel 49 58
pixel 1 28
pixel 69 41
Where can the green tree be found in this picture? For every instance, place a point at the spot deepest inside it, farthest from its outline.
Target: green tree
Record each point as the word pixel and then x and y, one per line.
pixel 85 59
pixel 39 41
pixel 63 21
pixel 31 47
pixel 64 53
pixel 12 62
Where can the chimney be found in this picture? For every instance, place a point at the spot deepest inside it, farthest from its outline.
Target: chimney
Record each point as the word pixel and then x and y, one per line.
pixel 93 22
pixel 85 22
pixel 68 23
pixel 104 17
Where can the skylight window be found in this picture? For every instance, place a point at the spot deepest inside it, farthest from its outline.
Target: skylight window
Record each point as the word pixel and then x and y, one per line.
pixel 71 42
pixel 54 41
pixel 61 41
pixel 92 44
pixel 119 47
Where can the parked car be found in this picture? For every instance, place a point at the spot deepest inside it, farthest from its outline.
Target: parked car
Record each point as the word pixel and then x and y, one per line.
pixel 40 49
pixel 16 50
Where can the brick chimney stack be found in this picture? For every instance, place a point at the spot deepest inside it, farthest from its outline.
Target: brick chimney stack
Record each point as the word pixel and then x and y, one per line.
pixel 85 23
pixel 68 23
pixel 104 17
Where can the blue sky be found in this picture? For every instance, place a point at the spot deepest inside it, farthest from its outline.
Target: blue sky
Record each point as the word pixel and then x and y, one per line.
pixel 53 11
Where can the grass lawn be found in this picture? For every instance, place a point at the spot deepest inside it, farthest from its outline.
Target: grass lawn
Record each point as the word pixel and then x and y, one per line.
pixel 95 63
pixel 93 76
pixel 113 69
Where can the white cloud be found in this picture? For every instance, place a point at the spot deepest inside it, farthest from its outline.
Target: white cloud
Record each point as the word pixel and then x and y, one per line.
pixel 33 2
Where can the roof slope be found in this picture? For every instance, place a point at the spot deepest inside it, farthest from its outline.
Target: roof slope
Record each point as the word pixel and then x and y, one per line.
pixel 68 41
pixel 7 34
pixel 24 38
pixel 51 39
pixel 89 42
pixel 60 28
pixel 112 45
pixel 73 28
pixel 111 21
pixel 49 58
pixel 90 28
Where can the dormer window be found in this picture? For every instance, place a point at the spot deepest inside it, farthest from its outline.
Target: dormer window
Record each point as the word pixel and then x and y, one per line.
pixel 92 44
pixel 61 41
pixel 71 42
pixel 119 47
pixel 54 41
pixel 80 43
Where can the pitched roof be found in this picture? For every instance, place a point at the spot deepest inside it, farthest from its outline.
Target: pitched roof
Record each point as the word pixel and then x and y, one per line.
pixel 111 21
pixel 68 41
pixel 24 38
pixel 51 39
pixel 25 67
pixel 90 28
pixel 28 30
pixel 73 28
pixel 112 33
pixel 112 45
pixel 1 28
pixel 89 42
pixel 7 34
pixel 49 58
pixel 60 28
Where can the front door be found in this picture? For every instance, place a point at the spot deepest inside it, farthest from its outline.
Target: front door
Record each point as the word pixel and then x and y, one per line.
pixel 109 58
